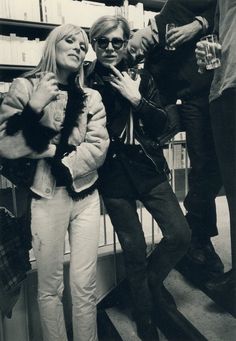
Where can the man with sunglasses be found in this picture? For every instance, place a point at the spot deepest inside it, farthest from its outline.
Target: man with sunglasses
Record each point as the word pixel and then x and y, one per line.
pixel 103 42
pixel 135 169
pixel 176 74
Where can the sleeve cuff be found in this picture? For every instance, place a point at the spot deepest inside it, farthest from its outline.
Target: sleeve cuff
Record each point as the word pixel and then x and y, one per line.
pixel 142 102
pixel 204 23
pixel 37 136
pixel 155 35
pixel 29 112
pixel 17 121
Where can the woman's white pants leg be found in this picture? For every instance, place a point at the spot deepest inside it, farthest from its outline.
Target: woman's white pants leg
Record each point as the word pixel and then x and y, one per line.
pixel 49 223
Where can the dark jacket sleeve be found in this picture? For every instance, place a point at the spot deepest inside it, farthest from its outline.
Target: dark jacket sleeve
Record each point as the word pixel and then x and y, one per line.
pixel 36 135
pixel 209 14
pixel 150 111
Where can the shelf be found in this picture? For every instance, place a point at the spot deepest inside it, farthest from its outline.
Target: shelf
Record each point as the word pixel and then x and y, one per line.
pixel 111 2
pixel 151 5
pixel 34 29
pixel 8 72
pixel 26 24
pixel 7 67
pixel 22 28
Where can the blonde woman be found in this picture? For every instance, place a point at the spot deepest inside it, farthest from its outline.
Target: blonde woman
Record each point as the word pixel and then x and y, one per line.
pixel 50 116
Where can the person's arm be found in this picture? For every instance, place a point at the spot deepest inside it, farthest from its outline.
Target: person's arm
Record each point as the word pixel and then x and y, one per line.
pixel 200 26
pixel 182 34
pixel 91 153
pixel 141 42
pixel 197 20
pixel 208 16
pixel 21 132
pixel 150 111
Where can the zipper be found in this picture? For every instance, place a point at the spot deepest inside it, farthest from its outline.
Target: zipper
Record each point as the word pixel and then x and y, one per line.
pixel 148 155
pixel 140 125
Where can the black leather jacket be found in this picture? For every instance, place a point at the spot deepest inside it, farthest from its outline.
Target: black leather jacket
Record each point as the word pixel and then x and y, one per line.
pixel 150 117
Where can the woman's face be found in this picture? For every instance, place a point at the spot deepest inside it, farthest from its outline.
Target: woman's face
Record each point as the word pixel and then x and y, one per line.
pixel 70 53
pixel 110 47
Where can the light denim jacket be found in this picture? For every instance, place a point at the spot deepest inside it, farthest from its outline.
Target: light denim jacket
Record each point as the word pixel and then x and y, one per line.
pixel 89 136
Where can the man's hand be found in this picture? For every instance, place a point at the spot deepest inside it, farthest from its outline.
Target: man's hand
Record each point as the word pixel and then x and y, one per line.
pixel 200 53
pixel 140 43
pixel 125 85
pixel 179 35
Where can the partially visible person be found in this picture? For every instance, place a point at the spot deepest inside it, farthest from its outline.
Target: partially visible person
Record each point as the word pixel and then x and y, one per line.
pixel 50 116
pixel 135 169
pixel 176 75
pixel 223 120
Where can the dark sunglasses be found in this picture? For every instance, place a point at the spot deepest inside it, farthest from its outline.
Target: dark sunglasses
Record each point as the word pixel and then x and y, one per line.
pixel 103 42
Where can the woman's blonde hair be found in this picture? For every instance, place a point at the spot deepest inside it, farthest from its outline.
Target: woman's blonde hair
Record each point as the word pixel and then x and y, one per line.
pixel 48 59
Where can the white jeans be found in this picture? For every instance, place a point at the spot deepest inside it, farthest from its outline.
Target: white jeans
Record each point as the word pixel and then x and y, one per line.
pixel 49 223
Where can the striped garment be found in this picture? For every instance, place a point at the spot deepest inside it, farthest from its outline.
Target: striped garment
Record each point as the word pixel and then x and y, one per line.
pixel 127 136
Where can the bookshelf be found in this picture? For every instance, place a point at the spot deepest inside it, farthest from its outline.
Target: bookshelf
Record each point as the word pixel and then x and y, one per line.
pixel 6 23
pixel 20 32
pixel 31 30
pixel 151 5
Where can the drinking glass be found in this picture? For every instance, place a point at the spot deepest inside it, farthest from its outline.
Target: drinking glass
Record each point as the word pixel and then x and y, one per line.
pixel 168 28
pixel 212 53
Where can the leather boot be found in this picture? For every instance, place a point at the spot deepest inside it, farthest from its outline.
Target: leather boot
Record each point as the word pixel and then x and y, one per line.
pixel 222 283
pixel 213 262
pixel 223 289
pixel 161 296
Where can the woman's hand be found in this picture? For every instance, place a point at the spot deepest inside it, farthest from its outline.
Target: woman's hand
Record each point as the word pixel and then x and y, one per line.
pixel 125 85
pixel 45 92
pixel 179 35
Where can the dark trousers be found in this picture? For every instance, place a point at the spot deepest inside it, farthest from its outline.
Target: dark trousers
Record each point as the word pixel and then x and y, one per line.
pixel 204 176
pixel 223 114
pixel 164 208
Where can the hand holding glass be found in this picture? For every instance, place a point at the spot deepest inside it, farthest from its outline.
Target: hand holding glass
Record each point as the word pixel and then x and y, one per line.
pixel 169 27
pixel 212 51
